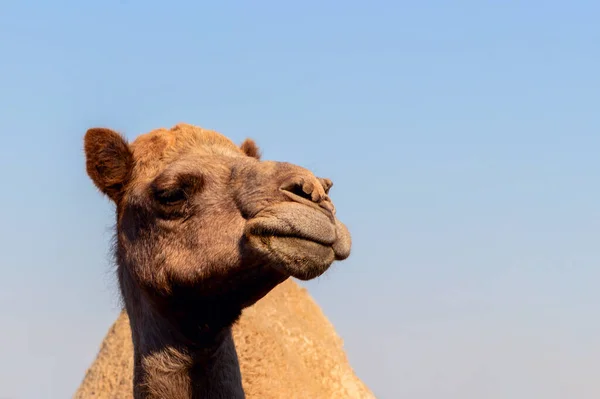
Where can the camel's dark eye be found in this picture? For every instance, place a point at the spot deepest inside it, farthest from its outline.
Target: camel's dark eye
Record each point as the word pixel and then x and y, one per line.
pixel 172 190
pixel 170 196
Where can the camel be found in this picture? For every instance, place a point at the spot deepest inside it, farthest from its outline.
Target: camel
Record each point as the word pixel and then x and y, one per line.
pixel 204 230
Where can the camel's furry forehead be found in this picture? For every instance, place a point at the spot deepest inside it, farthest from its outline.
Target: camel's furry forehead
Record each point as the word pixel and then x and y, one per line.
pixel 156 149
pixel 182 138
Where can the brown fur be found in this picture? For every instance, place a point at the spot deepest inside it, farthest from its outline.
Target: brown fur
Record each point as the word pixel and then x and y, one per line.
pixel 204 230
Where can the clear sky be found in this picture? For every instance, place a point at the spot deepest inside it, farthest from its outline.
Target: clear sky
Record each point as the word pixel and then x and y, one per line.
pixel 462 137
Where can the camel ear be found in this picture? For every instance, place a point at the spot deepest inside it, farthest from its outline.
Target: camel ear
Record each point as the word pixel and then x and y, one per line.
pixel 250 148
pixel 108 161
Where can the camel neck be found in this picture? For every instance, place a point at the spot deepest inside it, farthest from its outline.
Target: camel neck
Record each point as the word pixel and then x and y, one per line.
pixel 166 366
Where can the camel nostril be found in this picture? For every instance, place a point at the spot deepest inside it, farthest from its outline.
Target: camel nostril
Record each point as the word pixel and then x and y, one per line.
pixel 298 190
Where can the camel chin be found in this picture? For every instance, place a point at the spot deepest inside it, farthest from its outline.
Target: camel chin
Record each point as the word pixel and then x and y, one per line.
pixel 297 257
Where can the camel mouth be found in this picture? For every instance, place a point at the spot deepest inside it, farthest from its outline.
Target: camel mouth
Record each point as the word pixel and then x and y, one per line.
pixel 294 220
pixel 297 257
pixel 298 240
pixel 266 232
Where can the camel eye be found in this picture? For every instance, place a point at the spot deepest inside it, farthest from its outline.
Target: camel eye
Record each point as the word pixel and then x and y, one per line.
pixel 170 189
pixel 170 196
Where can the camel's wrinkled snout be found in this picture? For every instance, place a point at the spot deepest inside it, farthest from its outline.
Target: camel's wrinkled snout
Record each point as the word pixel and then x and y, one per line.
pixel 294 224
pixel 310 191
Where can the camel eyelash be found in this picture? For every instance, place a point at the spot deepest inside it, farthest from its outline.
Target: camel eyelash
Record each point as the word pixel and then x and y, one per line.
pixel 172 191
pixel 171 196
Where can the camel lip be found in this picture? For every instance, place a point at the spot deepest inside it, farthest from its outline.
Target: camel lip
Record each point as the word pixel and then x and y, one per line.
pixel 293 220
pixel 262 232
pixel 300 265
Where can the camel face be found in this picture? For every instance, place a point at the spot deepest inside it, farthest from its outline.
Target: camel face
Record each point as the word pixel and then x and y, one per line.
pixel 199 217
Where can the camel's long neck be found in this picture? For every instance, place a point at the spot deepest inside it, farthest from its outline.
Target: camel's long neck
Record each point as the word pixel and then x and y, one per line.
pixel 166 367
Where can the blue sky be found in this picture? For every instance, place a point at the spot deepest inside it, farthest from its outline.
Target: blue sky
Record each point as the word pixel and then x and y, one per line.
pixel 462 138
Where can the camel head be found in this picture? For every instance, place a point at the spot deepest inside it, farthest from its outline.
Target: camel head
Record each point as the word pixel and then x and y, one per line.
pixel 204 227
